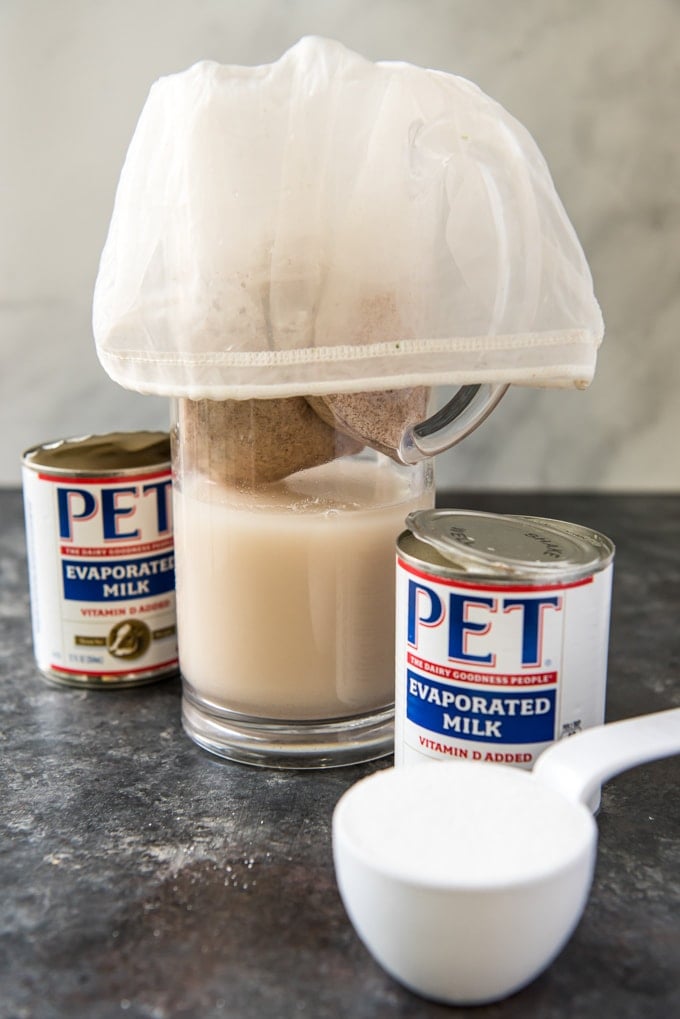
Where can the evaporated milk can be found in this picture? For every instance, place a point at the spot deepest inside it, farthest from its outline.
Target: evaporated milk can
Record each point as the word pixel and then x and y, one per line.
pixel 502 633
pixel 101 558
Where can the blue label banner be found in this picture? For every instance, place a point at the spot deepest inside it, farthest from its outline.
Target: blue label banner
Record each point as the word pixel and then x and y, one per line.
pixel 119 580
pixel 489 716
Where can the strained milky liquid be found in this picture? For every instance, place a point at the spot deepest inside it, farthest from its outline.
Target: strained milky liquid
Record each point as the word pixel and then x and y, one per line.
pixel 286 594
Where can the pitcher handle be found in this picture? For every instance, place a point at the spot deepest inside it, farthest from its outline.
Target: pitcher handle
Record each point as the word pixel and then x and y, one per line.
pixel 468 407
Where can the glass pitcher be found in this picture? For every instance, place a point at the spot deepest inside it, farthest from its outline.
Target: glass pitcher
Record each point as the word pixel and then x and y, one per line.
pixel 285 575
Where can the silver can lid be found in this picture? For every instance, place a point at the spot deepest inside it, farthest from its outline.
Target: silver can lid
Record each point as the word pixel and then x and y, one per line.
pixel 491 544
pixel 109 454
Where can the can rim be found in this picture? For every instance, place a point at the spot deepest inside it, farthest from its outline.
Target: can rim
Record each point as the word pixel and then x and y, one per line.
pixel 31 461
pixel 571 550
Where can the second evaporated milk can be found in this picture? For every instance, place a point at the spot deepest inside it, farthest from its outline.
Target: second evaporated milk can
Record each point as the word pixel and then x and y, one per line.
pixel 101 563
pixel 502 635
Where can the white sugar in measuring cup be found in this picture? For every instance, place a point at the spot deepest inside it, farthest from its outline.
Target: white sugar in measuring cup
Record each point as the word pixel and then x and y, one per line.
pixel 465 880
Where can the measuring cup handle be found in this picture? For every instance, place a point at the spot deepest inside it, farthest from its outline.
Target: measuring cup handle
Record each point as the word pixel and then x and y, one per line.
pixel 469 406
pixel 577 765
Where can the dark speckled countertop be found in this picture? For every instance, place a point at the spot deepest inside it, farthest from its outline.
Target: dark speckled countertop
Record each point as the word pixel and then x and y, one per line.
pixel 143 878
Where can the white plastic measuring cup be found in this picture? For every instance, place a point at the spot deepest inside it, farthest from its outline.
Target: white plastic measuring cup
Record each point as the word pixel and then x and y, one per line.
pixel 465 880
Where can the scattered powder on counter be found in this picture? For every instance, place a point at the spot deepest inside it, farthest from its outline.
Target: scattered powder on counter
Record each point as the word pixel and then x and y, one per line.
pixel 465 824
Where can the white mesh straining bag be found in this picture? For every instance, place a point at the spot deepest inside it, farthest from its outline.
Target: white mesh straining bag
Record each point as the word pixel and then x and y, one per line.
pixel 324 224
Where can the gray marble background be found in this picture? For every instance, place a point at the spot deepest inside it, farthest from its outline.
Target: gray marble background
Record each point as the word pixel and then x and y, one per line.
pixel 596 82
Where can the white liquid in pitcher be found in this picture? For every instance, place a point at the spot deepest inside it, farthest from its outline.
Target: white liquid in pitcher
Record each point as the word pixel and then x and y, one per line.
pixel 285 595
